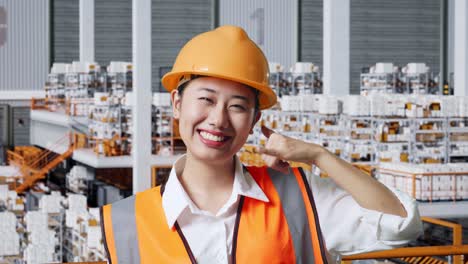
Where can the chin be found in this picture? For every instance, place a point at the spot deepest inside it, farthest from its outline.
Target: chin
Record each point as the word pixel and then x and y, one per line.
pixel 212 156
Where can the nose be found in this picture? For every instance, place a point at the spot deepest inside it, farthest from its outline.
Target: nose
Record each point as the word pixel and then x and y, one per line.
pixel 219 117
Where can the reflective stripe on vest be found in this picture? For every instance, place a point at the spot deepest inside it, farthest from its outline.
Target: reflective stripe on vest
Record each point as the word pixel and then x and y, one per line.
pixel 126 243
pixel 296 215
pixel 284 230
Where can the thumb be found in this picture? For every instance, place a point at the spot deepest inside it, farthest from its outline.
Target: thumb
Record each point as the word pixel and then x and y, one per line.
pixel 266 151
pixel 267 131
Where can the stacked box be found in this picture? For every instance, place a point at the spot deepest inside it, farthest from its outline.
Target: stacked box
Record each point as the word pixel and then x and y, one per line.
pixel 94 237
pixel 307 102
pixel 416 68
pixel 302 67
pixel 3 193
pixel 383 67
pixel 38 254
pixel 42 240
pixel 76 179
pixel 396 152
pixel 10 243
pixel 462 106
pixel 290 103
pixel 329 105
pixel 450 108
pixel 77 202
pixel 378 104
pixel 51 203
pixel 35 220
pixel 77 205
pixel 355 105
pixel 84 240
pixel 440 184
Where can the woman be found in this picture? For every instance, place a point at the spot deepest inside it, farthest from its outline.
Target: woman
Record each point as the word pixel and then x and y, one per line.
pixel 213 210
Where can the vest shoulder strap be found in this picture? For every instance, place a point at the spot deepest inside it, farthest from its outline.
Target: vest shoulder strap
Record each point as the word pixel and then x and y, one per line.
pixel 120 231
pixel 298 206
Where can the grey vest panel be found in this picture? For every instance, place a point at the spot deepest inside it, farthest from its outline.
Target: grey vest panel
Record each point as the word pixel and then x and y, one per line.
pixel 125 231
pixel 296 215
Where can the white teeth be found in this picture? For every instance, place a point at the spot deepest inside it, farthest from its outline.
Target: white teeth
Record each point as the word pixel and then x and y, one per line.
pixel 211 137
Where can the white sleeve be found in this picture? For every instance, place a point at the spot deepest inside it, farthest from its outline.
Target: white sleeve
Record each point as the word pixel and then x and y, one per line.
pixel 350 229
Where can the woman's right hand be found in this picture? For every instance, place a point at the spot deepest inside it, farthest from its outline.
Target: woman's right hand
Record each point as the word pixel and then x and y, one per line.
pixel 279 149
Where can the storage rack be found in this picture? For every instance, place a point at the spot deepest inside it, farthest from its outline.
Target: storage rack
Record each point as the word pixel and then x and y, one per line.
pixel 358 139
pixel 302 83
pixel 392 139
pixel 105 125
pixel 80 86
pixel 374 139
pixel 119 80
pixel 414 78
pixel 417 83
pixel 380 83
pixel 421 185
pixel 429 142
pixel 328 132
pixel 165 132
pixel 457 132
pixel 277 82
pixel 302 78
pixel 76 245
pixel 56 221
pixel 162 130
pixel 55 91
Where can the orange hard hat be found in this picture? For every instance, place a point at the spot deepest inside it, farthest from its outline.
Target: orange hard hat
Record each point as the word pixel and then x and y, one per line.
pixel 227 53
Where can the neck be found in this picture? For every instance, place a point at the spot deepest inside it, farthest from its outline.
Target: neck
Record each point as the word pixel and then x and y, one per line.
pixel 200 176
pixel 209 185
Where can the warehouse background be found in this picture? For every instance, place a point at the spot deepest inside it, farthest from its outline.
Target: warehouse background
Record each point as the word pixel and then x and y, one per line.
pixel 398 31
pixel 34 34
pixel 173 24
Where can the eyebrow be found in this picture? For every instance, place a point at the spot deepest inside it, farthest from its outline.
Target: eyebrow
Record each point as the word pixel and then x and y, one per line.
pixel 235 96
pixel 207 89
pixel 242 98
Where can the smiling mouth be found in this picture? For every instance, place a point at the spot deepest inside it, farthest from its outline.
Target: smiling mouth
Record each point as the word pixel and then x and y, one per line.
pixel 211 137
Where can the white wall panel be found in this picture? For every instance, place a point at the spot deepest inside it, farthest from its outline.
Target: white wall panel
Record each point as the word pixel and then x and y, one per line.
pixel 272 24
pixel 397 31
pixel 24 56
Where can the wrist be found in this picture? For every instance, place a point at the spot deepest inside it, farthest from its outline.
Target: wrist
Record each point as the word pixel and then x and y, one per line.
pixel 317 154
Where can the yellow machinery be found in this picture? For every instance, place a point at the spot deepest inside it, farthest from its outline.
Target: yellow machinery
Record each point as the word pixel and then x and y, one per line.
pixel 34 163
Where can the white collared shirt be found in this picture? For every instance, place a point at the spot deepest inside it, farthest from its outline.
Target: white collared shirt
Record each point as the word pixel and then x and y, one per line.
pixel 347 228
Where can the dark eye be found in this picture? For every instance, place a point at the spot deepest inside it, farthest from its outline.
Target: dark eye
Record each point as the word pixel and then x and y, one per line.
pixel 239 107
pixel 206 100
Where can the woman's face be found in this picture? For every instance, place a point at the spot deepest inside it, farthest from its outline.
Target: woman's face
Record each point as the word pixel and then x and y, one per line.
pixel 215 117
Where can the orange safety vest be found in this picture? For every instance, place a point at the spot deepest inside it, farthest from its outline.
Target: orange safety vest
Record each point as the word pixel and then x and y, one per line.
pixel 283 230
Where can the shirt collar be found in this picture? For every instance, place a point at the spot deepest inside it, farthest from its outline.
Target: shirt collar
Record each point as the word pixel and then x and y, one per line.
pixel 175 199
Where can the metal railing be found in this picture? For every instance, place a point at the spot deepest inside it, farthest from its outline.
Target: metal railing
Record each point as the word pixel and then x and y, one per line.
pixel 457 249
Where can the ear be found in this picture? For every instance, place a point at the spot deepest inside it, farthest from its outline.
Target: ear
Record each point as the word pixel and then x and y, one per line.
pixel 257 118
pixel 176 100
